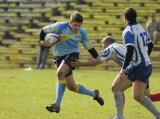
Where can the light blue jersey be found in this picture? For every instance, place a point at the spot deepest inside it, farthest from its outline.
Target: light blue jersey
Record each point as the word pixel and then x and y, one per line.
pixel 135 35
pixel 115 52
pixel 69 40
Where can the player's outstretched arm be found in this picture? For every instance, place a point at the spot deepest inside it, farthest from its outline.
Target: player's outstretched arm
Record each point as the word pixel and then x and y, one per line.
pixel 91 62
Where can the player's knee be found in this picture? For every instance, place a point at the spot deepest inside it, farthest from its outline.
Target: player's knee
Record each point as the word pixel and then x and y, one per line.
pixel 114 88
pixel 60 75
pixel 72 88
pixel 137 97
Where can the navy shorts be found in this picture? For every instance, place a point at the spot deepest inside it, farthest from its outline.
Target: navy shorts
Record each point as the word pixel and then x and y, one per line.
pixel 67 59
pixel 140 72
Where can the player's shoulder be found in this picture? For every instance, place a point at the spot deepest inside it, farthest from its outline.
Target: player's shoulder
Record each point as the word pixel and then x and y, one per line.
pixel 82 30
pixel 141 28
pixel 127 29
pixel 109 48
pixel 56 24
pixel 113 45
pixel 62 24
pixel 130 27
pixel 116 46
pixel 108 51
pixel 139 25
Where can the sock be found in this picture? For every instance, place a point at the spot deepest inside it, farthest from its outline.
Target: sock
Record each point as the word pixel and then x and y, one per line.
pixel 119 101
pixel 155 97
pixel 147 103
pixel 82 90
pixel 60 89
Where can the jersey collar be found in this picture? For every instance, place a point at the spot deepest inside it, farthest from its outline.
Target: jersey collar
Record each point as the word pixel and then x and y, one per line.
pixel 132 23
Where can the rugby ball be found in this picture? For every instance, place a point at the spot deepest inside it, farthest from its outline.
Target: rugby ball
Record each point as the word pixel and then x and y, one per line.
pixel 52 38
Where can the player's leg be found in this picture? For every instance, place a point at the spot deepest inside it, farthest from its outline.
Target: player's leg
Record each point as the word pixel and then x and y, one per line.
pixel 81 89
pixel 138 94
pixel 140 76
pixel 121 84
pixel 118 86
pixel 147 90
pixel 60 89
pixel 62 70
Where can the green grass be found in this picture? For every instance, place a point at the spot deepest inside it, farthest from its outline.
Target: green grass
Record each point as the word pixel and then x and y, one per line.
pixel 24 94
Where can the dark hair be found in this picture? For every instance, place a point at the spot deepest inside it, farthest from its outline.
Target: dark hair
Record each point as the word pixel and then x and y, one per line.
pixel 130 14
pixel 77 17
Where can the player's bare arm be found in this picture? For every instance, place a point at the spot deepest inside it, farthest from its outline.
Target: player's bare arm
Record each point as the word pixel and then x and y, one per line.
pixel 91 62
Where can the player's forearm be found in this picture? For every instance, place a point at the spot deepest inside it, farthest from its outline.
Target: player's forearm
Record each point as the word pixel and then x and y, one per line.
pixel 129 55
pixel 92 62
pixel 93 52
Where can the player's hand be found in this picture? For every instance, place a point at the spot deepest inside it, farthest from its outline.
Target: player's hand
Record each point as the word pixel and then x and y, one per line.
pixel 46 44
pixel 76 63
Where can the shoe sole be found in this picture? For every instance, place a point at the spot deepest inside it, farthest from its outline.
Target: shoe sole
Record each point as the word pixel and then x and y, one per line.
pixel 48 109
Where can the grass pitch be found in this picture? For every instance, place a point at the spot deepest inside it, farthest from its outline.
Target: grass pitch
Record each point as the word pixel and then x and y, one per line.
pixel 24 95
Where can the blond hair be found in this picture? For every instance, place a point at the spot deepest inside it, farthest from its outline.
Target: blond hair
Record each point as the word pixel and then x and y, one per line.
pixel 108 39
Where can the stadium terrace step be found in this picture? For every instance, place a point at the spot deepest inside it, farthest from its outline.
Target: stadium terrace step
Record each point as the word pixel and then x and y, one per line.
pixel 6 34
pixel 102 18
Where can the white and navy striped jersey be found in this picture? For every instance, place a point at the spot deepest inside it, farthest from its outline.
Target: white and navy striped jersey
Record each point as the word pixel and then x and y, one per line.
pixel 137 36
pixel 114 51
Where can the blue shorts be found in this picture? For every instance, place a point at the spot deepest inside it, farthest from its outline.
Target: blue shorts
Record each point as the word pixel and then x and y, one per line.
pixel 67 59
pixel 140 72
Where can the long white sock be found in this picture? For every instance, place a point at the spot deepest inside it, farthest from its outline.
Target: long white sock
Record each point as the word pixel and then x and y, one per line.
pixel 119 100
pixel 147 103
